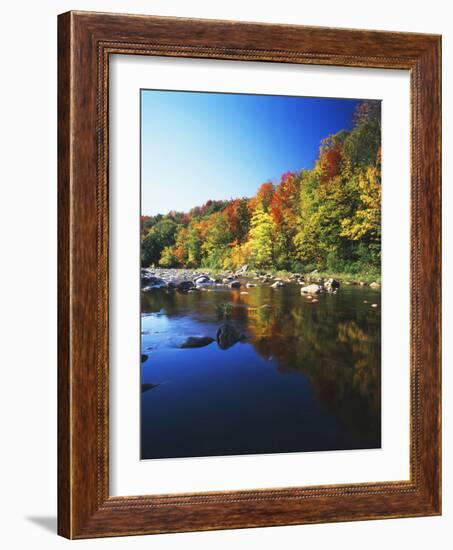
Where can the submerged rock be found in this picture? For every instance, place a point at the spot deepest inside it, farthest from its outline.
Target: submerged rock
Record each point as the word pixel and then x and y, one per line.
pixel 197 342
pixel 144 357
pixel 311 289
pixel 227 336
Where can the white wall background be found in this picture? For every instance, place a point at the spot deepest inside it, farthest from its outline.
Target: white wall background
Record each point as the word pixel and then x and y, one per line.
pixel 28 216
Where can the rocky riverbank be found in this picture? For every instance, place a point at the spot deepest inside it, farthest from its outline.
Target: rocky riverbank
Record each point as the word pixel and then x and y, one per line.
pixel 191 280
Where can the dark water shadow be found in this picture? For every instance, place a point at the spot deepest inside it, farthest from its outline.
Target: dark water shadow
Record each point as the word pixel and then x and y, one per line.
pixel 49 523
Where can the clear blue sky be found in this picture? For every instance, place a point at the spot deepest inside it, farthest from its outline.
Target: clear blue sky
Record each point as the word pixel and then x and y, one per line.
pixel 198 146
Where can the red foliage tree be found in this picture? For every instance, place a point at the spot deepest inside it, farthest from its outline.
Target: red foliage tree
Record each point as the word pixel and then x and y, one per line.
pixel 284 199
pixel 330 160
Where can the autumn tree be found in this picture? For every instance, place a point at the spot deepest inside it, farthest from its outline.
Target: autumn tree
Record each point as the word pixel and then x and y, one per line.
pixel 261 238
pixel 364 225
pixel 216 241
pixel 238 215
pixel 328 217
pixel 263 197
pixel 283 208
pixel 168 257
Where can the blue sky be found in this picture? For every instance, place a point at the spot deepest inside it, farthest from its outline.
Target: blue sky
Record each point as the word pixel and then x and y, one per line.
pixel 198 146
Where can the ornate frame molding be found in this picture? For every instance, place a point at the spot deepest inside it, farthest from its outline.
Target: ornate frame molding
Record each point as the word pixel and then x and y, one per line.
pixel 86 40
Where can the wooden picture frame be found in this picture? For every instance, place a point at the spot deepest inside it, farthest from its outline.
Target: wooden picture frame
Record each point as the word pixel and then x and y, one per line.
pixel 85 42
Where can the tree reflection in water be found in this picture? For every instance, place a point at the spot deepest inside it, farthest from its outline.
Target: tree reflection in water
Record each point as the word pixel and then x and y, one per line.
pixel 335 342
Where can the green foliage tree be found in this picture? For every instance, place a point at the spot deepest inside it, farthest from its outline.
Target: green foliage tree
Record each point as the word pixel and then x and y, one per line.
pixel 168 258
pixel 363 143
pixel 160 235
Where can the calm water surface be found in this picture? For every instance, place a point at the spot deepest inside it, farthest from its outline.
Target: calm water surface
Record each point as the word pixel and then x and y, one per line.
pixel 306 377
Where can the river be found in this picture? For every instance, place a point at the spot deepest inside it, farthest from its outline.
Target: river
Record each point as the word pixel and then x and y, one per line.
pixel 304 376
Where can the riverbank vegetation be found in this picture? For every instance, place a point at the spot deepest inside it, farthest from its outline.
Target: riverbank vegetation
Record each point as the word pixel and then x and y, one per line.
pixel 327 218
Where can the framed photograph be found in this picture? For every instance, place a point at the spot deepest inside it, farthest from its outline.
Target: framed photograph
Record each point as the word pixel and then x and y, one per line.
pixel 249 275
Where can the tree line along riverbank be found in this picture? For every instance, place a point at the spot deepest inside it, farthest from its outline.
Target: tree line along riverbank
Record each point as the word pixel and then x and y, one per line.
pixel 327 218
pixel 192 279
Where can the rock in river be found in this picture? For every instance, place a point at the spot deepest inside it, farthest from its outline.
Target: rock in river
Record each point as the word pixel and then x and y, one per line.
pixel 277 284
pixel 203 279
pixel 150 281
pixel 235 284
pixel 197 342
pixel 185 286
pixel 227 336
pixel 311 289
pixel 375 285
pixel 331 284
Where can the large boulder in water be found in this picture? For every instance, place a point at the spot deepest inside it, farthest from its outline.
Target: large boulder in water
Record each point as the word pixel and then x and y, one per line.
pixel 185 286
pixel 311 289
pixel 197 342
pixel 227 336
pixel 203 279
pixel 331 284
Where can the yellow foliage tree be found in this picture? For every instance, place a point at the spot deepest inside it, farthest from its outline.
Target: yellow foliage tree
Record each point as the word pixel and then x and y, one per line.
pixel 366 220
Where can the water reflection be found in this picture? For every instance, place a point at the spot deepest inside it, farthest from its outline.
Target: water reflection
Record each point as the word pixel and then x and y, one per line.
pixel 323 356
